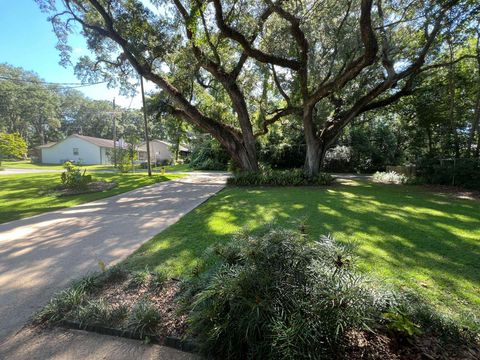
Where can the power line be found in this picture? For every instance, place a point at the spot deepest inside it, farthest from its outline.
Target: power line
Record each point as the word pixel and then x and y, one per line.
pixel 3 77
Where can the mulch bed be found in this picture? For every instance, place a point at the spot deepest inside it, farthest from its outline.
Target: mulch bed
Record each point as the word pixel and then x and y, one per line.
pixel 162 297
pixel 367 345
pixel 95 186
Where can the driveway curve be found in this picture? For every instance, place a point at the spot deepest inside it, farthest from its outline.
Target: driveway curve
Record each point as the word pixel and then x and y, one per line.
pixel 43 254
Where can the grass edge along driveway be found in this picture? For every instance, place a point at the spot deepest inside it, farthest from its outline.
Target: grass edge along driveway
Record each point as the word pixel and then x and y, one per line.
pixel 406 236
pixel 25 195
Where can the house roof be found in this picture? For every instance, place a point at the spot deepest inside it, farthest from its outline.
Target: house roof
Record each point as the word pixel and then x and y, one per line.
pixel 106 143
pixel 47 145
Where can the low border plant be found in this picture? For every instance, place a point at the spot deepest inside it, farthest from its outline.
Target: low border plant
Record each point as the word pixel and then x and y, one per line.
pixel 268 177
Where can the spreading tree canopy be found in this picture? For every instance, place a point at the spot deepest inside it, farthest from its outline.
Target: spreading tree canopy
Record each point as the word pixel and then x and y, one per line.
pixel 235 67
pixel 12 146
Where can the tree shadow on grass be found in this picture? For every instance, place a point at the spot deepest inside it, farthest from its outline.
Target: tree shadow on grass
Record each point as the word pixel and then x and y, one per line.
pixel 27 195
pixel 407 236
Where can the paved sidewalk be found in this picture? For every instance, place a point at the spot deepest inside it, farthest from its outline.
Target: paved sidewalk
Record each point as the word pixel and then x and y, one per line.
pixel 42 254
pixel 66 344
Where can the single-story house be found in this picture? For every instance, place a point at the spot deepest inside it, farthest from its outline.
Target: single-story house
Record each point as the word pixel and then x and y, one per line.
pixel 160 151
pixel 79 148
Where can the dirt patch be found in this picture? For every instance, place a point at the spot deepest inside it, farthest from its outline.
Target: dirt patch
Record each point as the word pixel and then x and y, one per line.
pixel 162 296
pixel 95 186
pixel 453 191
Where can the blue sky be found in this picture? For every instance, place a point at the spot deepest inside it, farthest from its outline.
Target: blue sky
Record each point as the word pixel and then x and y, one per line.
pixel 27 41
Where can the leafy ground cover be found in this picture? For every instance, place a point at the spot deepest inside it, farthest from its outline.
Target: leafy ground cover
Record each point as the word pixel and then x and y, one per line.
pixel 25 195
pixel 406 235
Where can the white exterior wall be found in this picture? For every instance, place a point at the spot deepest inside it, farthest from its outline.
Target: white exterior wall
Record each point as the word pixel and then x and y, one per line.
pixel 88 153
pixel 105 156
pixel 160 151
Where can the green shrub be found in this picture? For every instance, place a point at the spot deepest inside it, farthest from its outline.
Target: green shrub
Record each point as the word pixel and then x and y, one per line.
pixel 124 158
pixel 293 177
pixel 74 178
pixel 453 172
pixel 144 318
pixel 390 177
pixel 279 295
pixel 209 155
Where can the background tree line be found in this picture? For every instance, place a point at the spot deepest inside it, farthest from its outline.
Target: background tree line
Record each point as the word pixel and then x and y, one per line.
pixel 42 112
pixel 238 69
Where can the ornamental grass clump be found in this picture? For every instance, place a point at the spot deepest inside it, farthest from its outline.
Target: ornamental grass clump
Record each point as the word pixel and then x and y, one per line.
pixel 279 295
pixel 390 177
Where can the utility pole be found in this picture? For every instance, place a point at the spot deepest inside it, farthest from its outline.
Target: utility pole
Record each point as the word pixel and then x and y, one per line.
pixel 147 141
pixel 114 136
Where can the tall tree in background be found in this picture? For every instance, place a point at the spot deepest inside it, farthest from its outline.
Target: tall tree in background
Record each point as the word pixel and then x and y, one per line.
pixel 12 146
pixel 27 105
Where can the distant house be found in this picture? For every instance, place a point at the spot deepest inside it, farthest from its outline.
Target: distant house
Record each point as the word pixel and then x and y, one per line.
pixel 78 148
pixel 160 151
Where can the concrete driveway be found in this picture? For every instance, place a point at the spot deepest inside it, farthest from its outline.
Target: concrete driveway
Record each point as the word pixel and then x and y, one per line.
pixel 42 254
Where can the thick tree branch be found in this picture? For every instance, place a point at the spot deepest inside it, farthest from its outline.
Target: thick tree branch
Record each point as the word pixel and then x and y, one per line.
pixel 219 130
pixel 247 46
pixel 356 66
pixel 280 113
pixel 279 85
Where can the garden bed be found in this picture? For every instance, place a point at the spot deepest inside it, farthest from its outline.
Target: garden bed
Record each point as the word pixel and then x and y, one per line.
pixel 233 292
pixel 387 346
pixel 137 305
pixel 105 303
pixel 92 187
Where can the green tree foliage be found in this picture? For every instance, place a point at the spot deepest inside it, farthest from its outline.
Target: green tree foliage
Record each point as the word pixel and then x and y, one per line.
pixel 27 105
pixel 42 112
pixel 208 155
pixel 12 146
pixel 234 68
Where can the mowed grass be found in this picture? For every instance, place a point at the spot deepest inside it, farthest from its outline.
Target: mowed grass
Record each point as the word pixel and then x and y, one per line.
pixel 407 236
pixel 27 164
pixel 25 195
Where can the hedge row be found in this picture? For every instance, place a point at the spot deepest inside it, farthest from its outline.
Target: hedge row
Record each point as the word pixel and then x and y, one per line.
pixel 294 177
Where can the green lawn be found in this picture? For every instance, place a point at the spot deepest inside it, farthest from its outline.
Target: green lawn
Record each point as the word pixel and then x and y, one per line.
pixel 25 195
pixel 177 167
pixel 406 235
pixel 26 164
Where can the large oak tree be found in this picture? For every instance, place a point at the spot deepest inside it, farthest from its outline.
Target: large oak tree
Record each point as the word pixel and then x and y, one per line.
pixel 234 67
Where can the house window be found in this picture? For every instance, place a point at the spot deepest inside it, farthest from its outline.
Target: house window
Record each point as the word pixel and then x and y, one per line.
pixel 75 151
